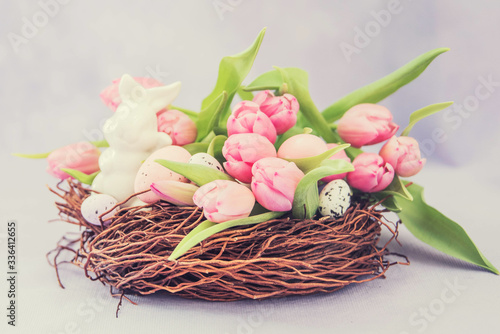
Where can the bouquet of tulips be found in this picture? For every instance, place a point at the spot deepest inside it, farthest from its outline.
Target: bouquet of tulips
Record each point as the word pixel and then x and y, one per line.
pixel 273 154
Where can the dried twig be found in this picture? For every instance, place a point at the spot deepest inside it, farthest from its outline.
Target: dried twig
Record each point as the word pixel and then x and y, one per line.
pixel 272 259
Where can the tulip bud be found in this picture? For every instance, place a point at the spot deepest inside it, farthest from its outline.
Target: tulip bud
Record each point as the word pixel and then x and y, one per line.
pixel 111 97
pixel 371 173
pixel 224 200
pixel 366 124
pixel 242 150
pixel 403 154
pixel 175 192
pixel 282 110
pixel 82 156
pixel 178 126
pixel 274 182
pixel 339 155
pixel 247 118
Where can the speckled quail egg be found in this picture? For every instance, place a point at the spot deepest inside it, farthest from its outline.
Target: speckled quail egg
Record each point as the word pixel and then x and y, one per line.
pixel 97 204
pixel 206 159
pixel 335 199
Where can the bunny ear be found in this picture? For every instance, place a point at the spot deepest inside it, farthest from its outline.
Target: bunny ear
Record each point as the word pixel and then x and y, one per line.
pixel 160 97
pixel 130 89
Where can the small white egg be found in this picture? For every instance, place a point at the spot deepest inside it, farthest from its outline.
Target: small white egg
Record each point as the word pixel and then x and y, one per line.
pixel 335 199
pixel 206 159
pixel 95 205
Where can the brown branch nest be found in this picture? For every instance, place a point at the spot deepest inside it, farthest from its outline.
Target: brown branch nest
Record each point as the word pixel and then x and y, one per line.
pixel 276 258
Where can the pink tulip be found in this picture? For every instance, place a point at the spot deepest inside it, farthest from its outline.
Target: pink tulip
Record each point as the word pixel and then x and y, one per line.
pixel 282 110
pixel 82 156
pixel 242 150
pixel 403 154
pixel 175 192
pixel 366 124
pixel 247 118
pixel 111 97
pixel 301 146
pixel 371 173
pixel 274 182
pixel 224 200
pixel 339 155
pixel 178 126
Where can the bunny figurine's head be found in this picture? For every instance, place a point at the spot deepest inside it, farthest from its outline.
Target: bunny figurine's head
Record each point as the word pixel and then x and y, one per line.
pixel 134 124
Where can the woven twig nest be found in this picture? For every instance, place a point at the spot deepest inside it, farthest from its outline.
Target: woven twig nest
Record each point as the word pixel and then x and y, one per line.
pixel 275 258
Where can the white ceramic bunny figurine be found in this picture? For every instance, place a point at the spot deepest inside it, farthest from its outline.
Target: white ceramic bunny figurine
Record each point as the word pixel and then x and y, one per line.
pixel 132 134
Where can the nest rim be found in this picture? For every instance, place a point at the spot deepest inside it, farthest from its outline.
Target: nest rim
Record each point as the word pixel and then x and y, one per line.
pixel 238 263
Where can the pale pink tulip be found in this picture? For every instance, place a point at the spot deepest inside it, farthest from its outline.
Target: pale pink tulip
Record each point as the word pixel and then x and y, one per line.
pixel 366 124
pixel 178 126
pixel 82 156
pixel 274 182
pixel 247 118
pixel 282 110
pixel 403 154
pixel 224 200
pixel 242 150
pixel 175 192
pixel 339 155
pixel 371 173
pixel 111 97
pixel 301 146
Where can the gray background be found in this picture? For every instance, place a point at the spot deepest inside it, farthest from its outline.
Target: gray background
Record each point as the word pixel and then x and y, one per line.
pixel 49 86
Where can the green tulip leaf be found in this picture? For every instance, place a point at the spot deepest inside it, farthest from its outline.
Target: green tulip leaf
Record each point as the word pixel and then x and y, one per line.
pixel 353 152
pixel 207 229
pixel 199 174
pixel 194 148
pixel 310 163
pixel 423 113
pixel 302 122
pixel 244 95
pixel 100 143
pixel 80 176
pixel 202 226
pixel 380 89
pixel 435 229
pixel 290 133
pixel 232 71
pixel 97 143
pixel 210 115
pixel 397 188
pixel 215 147
pixel 390 202
pixel 32 156
pixel 220 131
pixel 340 166
pixel 190 113
pixel 297 80
pixel 271 80
pixel 306 197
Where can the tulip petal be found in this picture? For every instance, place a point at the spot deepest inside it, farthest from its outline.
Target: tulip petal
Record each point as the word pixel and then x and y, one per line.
pixel 178 193
pixel 286 180
pixel 81 156
pixel 239 170
pixel 204 193
pixel 410 168
pixel 231 205
pixel 263 126
pixel 385 180
pixel 269 198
